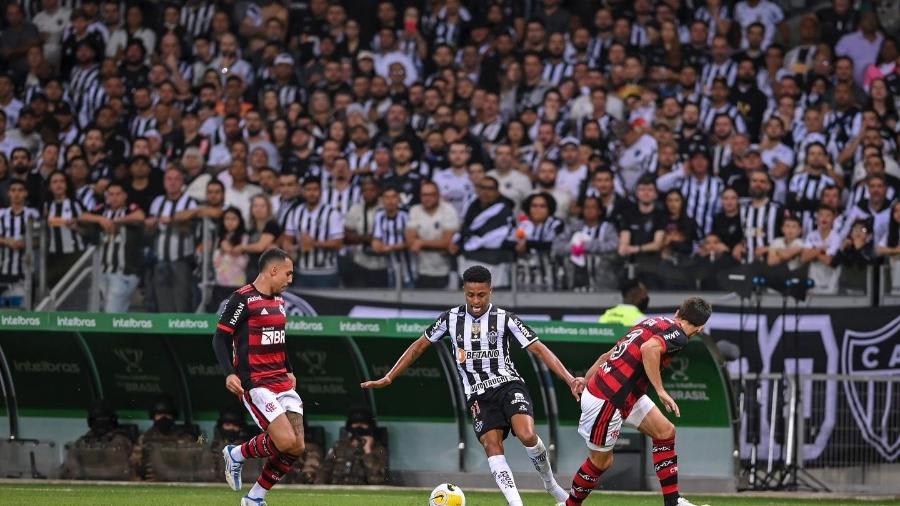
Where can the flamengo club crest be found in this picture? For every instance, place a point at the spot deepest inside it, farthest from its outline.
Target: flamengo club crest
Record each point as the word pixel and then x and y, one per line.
pixel 875 353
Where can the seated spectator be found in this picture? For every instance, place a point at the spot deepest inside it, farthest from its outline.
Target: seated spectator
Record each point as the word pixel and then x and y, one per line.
pixel 364 267
pixel 229 260
pixel 680 234
pixel 163 432
pixel 432 224
pixel 358 457
pixel 389 238
pixel 262 231
pixel 104 436
pixel 592 248
pixel 855 256
pixel 819 249
pixel 533 240
pixel 787 248
pixel 889 247
pixel 231 428
pixel 723 248
pixel 642 233
pixel 484 230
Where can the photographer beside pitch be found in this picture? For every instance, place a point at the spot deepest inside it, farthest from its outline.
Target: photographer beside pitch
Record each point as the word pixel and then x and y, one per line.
pixel 497 397
pixel 616 394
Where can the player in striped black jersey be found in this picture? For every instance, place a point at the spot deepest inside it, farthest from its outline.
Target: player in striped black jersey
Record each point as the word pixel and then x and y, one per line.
pixel 617 393
pixel 480 335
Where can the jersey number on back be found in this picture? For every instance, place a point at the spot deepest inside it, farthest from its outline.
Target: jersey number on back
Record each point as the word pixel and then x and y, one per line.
pixel 272 337
pixel 623 344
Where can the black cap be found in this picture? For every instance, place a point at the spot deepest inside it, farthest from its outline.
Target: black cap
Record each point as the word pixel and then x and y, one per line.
pixel 163 404
pixel 360 415
pixel 231 415
pixel 101 414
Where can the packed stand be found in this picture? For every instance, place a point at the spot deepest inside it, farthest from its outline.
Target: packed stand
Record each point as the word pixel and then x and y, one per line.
pixel 562 145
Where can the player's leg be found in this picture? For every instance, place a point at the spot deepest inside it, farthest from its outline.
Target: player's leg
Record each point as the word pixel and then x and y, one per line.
pixel 650 420
pixel 523 428
pixel 287 433
pixel 600 424
pixel 492 441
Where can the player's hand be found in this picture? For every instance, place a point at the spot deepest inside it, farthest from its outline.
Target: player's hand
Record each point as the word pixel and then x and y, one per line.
pixel 293 379
pixel 383 382
pixel 669 403
pixel 233 384
pixel 577 387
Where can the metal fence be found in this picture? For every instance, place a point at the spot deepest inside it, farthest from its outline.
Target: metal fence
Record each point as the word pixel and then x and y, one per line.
pixel 819 431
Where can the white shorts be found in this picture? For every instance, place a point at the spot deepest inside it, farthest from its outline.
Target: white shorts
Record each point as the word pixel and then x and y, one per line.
pixel 265 405
pixel 601 421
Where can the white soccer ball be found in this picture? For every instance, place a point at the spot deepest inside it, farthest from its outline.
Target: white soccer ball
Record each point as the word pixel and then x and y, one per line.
pixel 447 494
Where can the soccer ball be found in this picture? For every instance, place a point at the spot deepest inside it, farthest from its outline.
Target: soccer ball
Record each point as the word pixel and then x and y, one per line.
pixel 447 494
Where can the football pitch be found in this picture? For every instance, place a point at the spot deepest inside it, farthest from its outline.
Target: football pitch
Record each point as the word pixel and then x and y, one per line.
pixel 78 494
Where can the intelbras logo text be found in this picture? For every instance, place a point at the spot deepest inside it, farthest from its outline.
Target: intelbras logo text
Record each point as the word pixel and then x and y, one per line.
pixel 409 328
pixel 187 323
pixel 131 323
pixel 304 326
pixel 359 327
pixel 45 366
pixel 75 322
pixel 20 321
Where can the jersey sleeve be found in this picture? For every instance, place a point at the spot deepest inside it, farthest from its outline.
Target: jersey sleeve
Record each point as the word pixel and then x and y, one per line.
pixel 674 340
pixel 520 331
pixel 232 316
pixel 437 330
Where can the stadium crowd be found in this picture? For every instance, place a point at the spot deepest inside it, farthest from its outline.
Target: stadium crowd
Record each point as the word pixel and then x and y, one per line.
pixel 554 142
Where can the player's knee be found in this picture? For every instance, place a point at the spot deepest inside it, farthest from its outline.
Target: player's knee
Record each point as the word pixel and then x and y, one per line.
pixel 492 448
pixel 528 437
pixel 299 446
pixel 602 460
pixel 666 431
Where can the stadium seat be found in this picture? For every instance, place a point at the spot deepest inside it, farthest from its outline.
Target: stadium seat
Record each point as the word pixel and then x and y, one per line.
pixel 29 458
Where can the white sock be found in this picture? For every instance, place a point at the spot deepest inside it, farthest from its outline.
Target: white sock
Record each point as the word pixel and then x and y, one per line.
pixel 236 454
pixel 504 478
pixel 541 461
pixel 257 492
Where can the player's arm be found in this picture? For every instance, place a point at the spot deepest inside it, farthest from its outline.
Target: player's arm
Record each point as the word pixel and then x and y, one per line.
pixel 409 356
pixel 232 316
pixel 599 363
pixel 651 353
pixel 576 385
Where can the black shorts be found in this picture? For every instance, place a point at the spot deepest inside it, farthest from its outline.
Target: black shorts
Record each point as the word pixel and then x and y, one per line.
pixel 495 407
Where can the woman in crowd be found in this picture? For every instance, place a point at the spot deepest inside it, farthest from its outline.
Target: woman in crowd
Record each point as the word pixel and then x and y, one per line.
pixel 229 260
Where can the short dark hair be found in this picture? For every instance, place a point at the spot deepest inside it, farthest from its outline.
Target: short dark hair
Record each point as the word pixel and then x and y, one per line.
pixel 272 255
pixel 695 311
pixel 629 286
pixel 477 274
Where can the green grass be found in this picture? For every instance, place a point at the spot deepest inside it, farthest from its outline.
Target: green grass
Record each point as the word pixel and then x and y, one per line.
pixel 76 494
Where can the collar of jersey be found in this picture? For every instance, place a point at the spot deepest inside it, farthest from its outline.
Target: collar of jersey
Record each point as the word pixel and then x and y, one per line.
pixel 262 294
pixel 488 310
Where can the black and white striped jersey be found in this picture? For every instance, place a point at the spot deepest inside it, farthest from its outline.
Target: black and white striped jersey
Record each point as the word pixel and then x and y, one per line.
pixel 12 226
pixel 85 195
pixel 64 239
pixel 361 162
pixel 342 200
pixel 195 21
pixel 492 132
pixel 804 194
pixel 761 225
pixel 285 208
pixel 90 101
pixel 173 241
pixel 391 230
pixel 323 223
pixel 554 73
pixel 140 125
pixel 597 49
pixel 121 251
pixel 713 70
pixel 482 345
pixel 702 199
pixel 708 117
pixel 536 268
pixel 860 193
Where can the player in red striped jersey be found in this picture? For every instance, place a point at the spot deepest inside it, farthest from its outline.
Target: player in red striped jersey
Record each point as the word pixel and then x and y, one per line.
pixel 249 344
pixel 617 393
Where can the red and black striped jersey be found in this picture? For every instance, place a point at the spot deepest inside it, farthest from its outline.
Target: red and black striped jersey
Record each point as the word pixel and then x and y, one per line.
pixel 250 341
pixel 622 378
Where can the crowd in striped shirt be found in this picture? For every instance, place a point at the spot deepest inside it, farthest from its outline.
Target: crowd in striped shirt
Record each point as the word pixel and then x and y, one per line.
pixel 13 226
pixel 391 230
pixel 64 239
pixel 173 241
pixel 323 223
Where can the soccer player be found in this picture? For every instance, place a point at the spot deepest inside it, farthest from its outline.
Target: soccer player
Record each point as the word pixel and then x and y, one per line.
pixel 249 344
pixel 497 397
pixel 616 393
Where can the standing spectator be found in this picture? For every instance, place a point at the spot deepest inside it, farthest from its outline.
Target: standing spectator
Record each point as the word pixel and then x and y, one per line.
pixel 862 45
pixel 889 247
pixel 17 38
pixel 485 227
pixel 454 182
pixel 747 12
pixel 364 267
pixel 262 232
pixel 701 191
pixel 239 190
pixel 121 255
pixel 855 257
pixel 229 259
pixel 635 155
pixel 837 20
pixel 787 248
pixel 13 223
pixel 819 249
pixel 404 175
pixel 533 240
pixel 389 238
pixel 875 211
pixel 761 218
pixel 51 22
pixel 642 234
pixel 681 233
pixel 514 185
pixel 288 197
pixel 62 212
pixel 429 232
pixel 572 173
pixel 316 231
pixel 173 246
pixel 545 181
pixel 805 188
pixel 593 245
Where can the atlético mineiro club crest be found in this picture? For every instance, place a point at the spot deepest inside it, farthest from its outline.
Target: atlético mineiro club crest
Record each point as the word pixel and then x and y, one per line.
pixel 875 353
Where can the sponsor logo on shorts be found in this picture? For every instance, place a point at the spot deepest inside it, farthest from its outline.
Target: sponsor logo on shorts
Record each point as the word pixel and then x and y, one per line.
pixel 523 408
pixel 270 407
pixel 519 398
pixel 478 425
pixel 495 381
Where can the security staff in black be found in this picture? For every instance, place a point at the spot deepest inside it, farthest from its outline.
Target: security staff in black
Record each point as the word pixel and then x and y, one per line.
pixel 480 334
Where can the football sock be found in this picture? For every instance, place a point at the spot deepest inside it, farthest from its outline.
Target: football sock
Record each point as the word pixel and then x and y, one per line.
pixel 587 477
pixel 541 461
pixel 273 471
pixel 258 447
pixel 665 461
pixel 504 478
